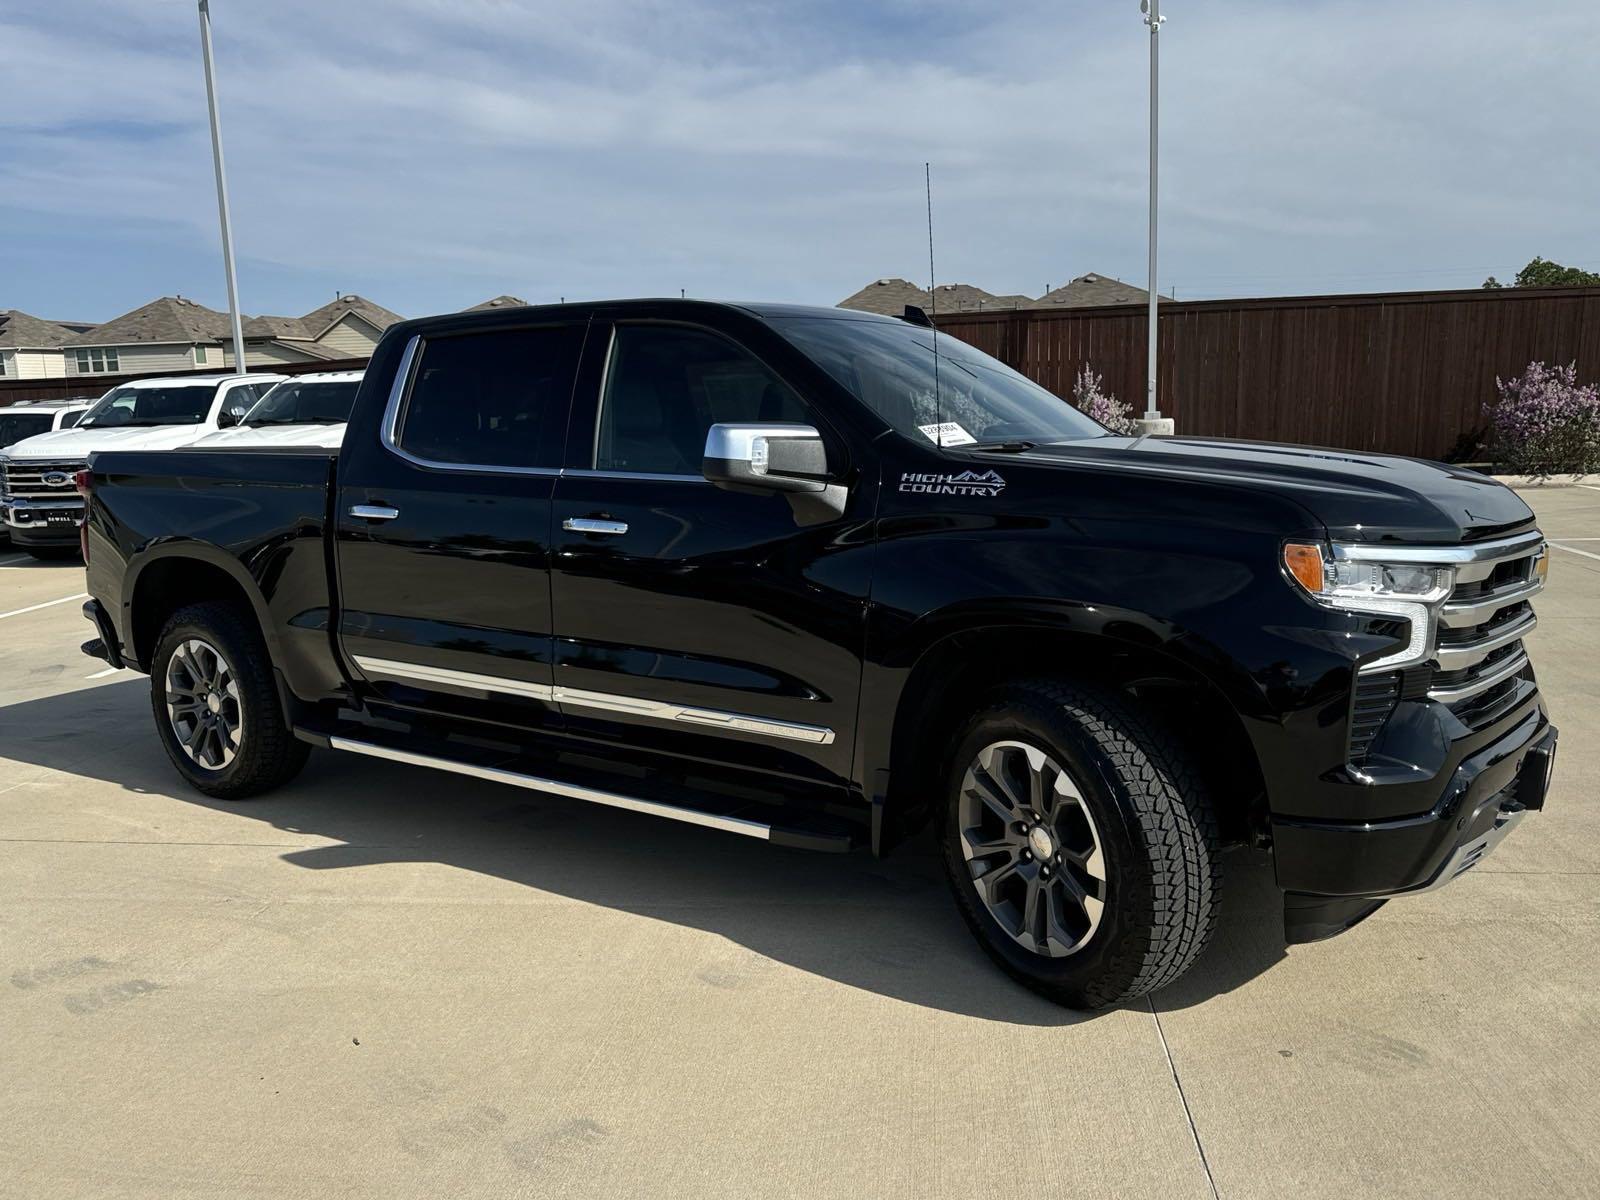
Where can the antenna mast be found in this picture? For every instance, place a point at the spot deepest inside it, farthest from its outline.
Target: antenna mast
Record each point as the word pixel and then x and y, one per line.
pixel 933 306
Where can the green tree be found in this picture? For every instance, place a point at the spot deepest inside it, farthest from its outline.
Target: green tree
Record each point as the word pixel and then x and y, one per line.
pixel 1541 272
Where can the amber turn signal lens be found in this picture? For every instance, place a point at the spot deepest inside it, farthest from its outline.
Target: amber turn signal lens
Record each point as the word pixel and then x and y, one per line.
pixel 1303 561
pixel 1541 565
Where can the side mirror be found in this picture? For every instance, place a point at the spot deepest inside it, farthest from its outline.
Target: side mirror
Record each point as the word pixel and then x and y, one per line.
pixel 765 458
pixel 231 415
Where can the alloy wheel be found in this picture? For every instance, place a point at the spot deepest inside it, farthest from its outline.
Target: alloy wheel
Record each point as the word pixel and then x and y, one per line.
pixel 1030 842
pixel 203 704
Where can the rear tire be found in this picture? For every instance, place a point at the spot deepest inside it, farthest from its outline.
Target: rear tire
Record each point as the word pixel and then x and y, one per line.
pixel 1080 843
pixel 216 706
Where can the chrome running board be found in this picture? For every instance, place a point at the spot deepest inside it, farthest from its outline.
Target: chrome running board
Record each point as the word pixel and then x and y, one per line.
pixel 572 791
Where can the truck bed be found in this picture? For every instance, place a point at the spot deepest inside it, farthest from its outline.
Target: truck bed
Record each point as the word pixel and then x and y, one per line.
pixel 263 514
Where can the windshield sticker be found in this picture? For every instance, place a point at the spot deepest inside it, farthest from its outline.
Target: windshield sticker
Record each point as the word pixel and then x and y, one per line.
pixel 947 433
pixel 968 483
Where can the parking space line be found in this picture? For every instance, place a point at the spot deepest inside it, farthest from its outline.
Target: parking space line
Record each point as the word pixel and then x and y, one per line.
pixel 109 670
pixel 14 560
pixel 17 612
pixel 1575 550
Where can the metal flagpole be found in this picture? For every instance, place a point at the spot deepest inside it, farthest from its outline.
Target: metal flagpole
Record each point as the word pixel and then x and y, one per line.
pixel 1153 18
pixel 222 189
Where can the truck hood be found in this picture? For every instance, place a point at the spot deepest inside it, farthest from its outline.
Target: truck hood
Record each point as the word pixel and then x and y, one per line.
pixel 78 444
pixel 1358 497
pixel 328 437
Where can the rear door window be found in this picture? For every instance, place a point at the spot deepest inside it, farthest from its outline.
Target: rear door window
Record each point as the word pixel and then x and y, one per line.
pixel 490 400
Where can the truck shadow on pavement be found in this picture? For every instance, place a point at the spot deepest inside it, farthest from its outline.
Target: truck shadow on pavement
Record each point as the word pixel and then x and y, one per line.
pixel 888 926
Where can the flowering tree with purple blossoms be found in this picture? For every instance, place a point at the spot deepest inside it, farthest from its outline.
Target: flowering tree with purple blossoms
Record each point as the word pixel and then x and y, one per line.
pixel 1102 406
pixel 1545 422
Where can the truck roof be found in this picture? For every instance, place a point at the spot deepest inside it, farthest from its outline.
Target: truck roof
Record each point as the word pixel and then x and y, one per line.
pixel 181 380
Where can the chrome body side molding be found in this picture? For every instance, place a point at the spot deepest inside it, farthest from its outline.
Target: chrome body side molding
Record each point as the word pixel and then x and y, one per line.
pixel 637 706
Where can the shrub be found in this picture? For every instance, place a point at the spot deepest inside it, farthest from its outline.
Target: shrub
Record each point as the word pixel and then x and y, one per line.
pixel 1546 423
pixel 1102 406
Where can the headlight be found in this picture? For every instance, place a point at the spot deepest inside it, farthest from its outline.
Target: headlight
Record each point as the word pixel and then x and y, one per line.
pixel 1411 591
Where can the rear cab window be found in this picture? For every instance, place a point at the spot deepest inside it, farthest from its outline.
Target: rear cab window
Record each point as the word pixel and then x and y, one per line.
pixel 495 400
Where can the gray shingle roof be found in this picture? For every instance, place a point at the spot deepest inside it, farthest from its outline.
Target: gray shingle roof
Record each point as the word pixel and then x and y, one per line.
pixel 1087 291
pixel 887 296
pixel 890 296
pixel 320 320
pixel 19 330
pixel 276 327
pixel 171 319
pixel 499 302
pixel 305 346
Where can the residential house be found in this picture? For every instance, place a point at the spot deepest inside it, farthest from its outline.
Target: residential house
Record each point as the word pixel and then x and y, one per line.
pixel 891 296
pixel 175 334
pixel 499 302
pixel 30 347
pixel 1092 291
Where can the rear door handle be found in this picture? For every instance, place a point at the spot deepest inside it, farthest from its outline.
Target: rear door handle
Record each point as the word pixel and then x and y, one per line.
pixel 373 512
pixel 593 525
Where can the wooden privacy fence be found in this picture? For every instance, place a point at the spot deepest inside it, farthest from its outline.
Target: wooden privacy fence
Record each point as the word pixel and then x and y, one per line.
pixel 12 390
pixel 1403 373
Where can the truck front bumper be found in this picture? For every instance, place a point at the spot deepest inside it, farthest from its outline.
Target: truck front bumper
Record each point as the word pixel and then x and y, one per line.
pixel 42 524
pixel 1336 873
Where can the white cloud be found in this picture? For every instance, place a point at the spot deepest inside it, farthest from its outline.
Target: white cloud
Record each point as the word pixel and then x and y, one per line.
pixel 446 151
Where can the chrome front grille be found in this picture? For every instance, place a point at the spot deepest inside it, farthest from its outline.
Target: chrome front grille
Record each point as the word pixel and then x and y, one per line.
pixel 39 482
pixel 1478 653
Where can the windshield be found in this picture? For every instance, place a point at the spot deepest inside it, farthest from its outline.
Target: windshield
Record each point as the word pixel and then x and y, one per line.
pixel 180 404
pixel 14 426
pixel 889 365
pixel 311 403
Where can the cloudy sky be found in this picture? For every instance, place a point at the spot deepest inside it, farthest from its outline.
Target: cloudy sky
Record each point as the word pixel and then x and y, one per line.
pixel 432 153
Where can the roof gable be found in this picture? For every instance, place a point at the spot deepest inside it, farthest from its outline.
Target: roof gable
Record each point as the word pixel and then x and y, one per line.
pixel 1087 291
pixel 890 297
pixel 20 330
pixel 499 302
pixel 319 320
pixel 168 320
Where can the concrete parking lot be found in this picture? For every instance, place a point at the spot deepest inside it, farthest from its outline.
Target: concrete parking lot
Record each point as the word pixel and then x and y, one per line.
pixel 385 982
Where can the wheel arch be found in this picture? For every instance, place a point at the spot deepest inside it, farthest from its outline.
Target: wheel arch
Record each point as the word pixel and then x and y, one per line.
pixel 948 679
pixel 168 578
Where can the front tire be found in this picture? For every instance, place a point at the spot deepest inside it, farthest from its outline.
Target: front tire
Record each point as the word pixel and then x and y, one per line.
pixel 216 706
pixel 1080 844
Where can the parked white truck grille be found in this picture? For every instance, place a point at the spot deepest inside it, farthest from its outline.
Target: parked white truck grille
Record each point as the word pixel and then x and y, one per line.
pixel 1481 626
pixel 38 481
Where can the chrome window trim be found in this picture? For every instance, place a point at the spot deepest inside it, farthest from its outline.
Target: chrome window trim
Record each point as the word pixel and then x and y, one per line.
pixel 590 473
pixel 635 706
pixel 389 428
pixel 653 808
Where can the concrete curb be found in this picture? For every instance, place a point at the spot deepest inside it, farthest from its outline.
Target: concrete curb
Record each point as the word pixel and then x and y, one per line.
pixel 1551 481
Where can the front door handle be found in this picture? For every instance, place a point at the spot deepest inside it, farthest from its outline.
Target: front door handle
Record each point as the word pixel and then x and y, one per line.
pixel 593 525
pixel 373 512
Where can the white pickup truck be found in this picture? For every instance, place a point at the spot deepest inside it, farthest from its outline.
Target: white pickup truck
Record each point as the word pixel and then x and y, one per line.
pixel 39 505
pixel 306 410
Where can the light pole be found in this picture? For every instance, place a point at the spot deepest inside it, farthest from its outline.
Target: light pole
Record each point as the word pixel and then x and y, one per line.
pixel 222 189
pixel 1153 421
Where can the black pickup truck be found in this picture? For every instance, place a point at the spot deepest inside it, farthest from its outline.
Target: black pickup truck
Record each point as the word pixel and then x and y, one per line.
pixel 820 578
